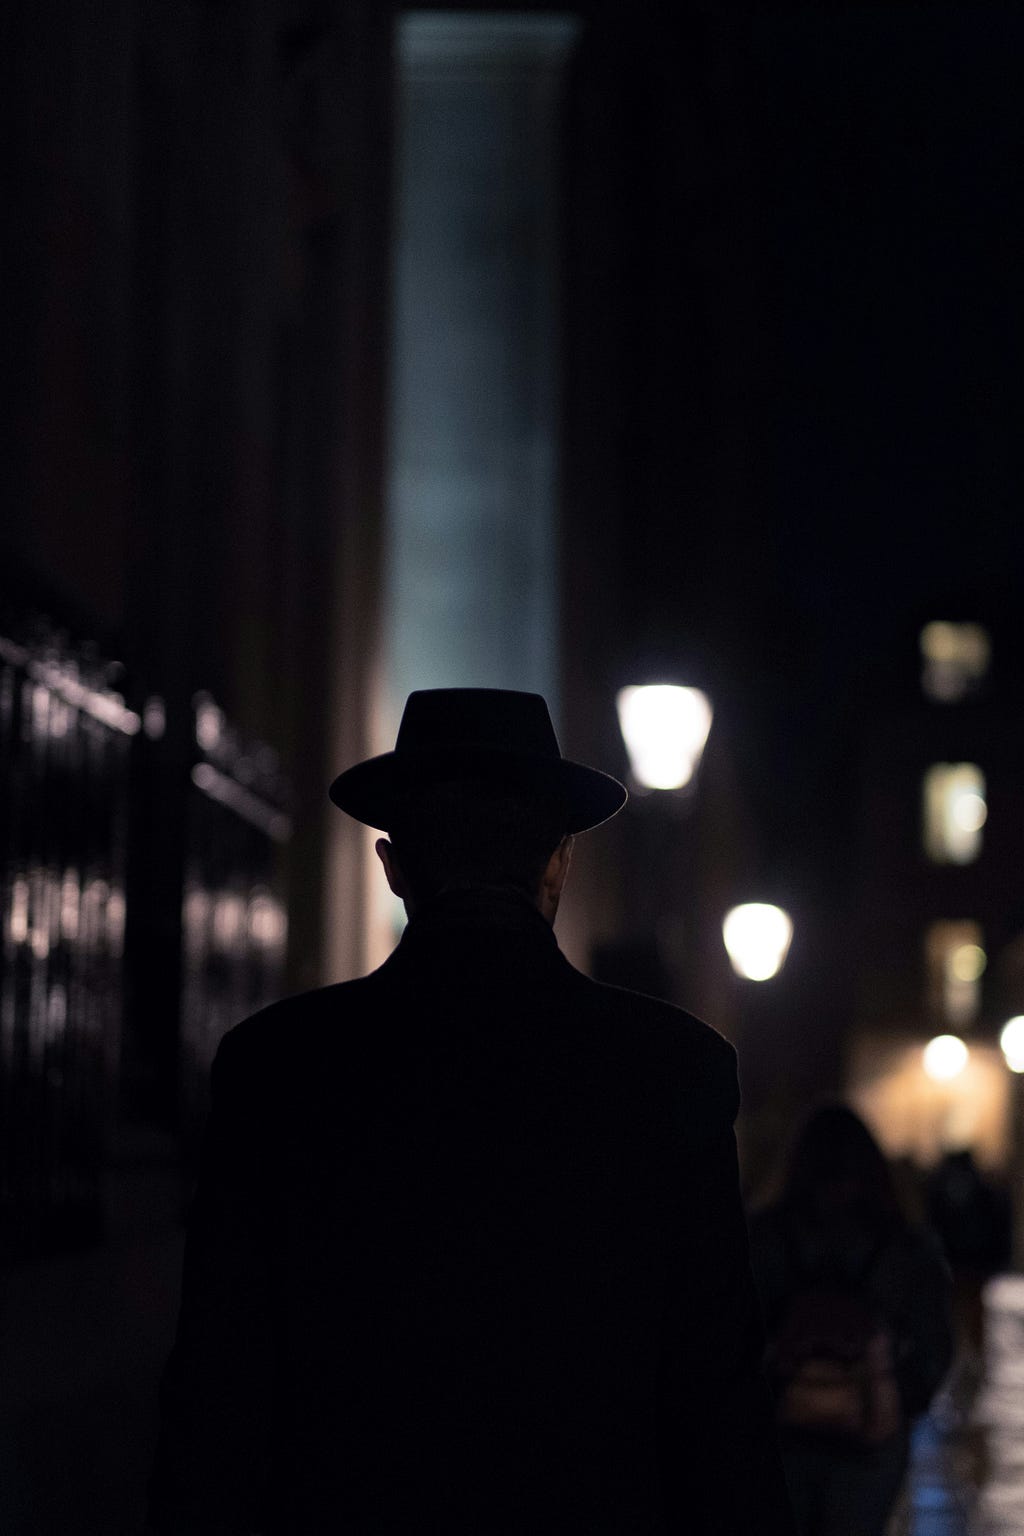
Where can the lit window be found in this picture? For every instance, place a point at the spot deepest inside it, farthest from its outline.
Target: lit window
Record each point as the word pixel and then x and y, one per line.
pixel 956 962
pixel 954 812
pixel 954 659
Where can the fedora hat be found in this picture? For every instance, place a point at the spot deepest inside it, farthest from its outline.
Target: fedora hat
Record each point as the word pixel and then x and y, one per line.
pixel 487 734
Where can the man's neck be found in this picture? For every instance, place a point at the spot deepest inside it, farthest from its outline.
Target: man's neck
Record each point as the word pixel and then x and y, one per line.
pixel 480 897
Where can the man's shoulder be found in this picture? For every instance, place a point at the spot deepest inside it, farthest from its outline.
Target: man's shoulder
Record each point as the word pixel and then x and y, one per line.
pixel 663 1024
pixel 293 1019
pixel 663 1042
pixel 639 1032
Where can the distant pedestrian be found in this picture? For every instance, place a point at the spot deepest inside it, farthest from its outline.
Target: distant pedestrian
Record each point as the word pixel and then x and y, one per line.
pixel 856 1303
pixel 970 1214
pixel 467 1255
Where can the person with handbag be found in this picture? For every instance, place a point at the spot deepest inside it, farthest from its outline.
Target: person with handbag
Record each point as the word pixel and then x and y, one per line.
pixel 857 1310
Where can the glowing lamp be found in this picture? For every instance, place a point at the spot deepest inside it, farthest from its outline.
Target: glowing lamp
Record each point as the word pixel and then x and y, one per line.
pixel 1011 1043
pixel 945 1058
pixel 665 728
pixel 969 811
pixel 967 962
pixel 757 937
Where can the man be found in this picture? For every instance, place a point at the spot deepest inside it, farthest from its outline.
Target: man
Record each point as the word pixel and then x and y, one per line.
pixel 467 1255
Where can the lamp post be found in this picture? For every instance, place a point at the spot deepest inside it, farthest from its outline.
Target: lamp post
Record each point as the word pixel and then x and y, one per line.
pixel 757 936
pixel 1011 1042
pixel 665 729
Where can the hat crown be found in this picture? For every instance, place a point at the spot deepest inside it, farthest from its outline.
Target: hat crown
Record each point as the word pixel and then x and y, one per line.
pixel 492 734
pixel 481 719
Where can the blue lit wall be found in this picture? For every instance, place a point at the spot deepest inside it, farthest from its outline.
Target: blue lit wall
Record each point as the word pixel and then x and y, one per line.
pixel 472 589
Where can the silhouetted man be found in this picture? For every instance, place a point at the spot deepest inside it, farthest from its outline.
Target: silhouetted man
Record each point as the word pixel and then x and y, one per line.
pixel 467 1254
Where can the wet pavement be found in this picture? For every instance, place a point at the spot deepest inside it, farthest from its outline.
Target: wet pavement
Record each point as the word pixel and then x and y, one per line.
pixel 939 1496
pixel 966 1474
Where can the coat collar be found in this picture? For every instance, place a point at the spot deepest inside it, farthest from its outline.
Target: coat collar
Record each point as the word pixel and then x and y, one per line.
pixel 497 909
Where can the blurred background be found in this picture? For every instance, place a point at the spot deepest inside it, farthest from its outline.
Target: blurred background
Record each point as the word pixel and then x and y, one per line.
pixel 352 348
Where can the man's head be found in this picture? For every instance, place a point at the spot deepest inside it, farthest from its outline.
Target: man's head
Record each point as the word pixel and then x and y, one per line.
pixel 468 832
pixel 477 792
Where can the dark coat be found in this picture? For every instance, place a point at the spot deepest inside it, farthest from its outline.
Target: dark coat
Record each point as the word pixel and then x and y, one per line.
pixel 467 1256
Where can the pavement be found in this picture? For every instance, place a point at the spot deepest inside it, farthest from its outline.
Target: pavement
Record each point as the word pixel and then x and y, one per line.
pixel 83 1338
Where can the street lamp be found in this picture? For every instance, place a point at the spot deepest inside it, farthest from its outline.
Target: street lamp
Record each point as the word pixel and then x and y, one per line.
pixel 945 1058
pixel 757 937
pixel 665 728
pixel 1011 1043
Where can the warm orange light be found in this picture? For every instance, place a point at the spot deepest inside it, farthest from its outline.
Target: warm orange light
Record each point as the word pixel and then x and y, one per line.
pixel 968 962
pixel 913 1115
pixel 955 659
pixel 955 811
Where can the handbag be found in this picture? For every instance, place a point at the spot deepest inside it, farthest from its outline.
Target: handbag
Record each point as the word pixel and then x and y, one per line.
pixel 832 1362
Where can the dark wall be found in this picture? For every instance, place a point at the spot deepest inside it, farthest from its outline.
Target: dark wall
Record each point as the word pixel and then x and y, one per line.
pixel 195 238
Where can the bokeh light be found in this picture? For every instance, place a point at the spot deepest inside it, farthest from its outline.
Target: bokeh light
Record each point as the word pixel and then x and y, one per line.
pixel 945 1058
pixel 757 937
pixel 955 811
pixel 967 962
pixel 665 728
pixel 1011 1043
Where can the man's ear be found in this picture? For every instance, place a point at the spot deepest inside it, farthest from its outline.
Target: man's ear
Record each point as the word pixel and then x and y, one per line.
pixel 553 878
pixel 396 879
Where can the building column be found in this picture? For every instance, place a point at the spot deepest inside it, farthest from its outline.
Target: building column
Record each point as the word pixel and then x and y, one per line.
pixel 472 493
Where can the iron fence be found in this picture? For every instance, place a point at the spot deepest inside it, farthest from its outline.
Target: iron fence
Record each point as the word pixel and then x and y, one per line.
pixel 72 771
pixel 234 922
pixel 65 752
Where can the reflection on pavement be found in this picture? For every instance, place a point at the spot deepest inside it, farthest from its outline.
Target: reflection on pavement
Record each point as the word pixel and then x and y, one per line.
pixel 938 1495
pixel 966 1473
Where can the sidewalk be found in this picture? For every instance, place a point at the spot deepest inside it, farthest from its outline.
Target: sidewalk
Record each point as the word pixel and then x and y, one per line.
pixel 83 1339
pixel 940 1492
pixel 967 1460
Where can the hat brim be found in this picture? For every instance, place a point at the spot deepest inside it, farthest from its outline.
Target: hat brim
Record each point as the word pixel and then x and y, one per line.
pixel 374 791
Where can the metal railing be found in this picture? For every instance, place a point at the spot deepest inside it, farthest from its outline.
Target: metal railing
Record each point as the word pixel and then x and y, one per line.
pixel 234 923
pixel 65 744
pixel 74 774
